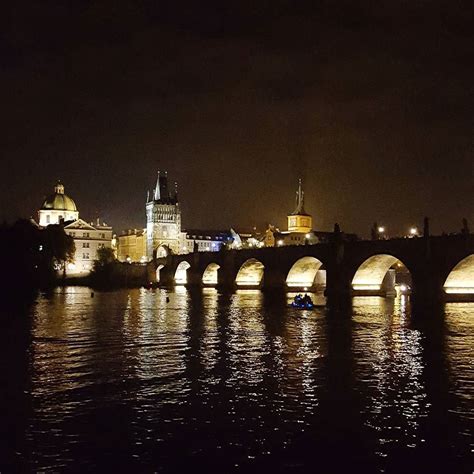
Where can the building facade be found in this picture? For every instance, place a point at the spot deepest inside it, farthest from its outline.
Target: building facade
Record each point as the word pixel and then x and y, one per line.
pixel 132 246
pixel 59 208
pixel 300 227
pixel 88 239
pixel 163 219
pixel 163 231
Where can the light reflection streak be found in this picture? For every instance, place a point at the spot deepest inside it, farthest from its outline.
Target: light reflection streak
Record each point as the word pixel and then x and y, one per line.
pixel 389 357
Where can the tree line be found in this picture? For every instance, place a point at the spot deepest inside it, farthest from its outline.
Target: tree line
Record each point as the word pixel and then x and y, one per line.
pixel 34 257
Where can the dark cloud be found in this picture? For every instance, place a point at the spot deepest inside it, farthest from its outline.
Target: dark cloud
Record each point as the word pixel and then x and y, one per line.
pixel 370 104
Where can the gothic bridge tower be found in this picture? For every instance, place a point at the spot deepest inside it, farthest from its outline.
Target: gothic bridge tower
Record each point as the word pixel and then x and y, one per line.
pixel 163 218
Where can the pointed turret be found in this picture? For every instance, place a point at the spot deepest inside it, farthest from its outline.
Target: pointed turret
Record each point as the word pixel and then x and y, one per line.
pixel 163 185
pixel 299 220
pixel 299 211
pixel 156 195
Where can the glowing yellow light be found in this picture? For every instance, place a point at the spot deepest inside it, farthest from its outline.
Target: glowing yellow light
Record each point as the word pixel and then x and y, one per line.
pixel 280 243
pixel 460 290
pixel 308 236
pixel 381 229
pixel 366 287
pixel 413 231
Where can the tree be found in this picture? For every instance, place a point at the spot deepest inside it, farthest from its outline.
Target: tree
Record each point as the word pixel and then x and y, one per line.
pixel 105 256
pixel 59 245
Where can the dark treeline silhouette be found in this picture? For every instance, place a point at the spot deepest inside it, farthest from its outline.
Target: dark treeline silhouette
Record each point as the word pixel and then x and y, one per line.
pixel 33 258
pixel 109 273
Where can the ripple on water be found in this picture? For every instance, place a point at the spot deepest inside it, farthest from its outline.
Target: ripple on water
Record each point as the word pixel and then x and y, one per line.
pixel 127 380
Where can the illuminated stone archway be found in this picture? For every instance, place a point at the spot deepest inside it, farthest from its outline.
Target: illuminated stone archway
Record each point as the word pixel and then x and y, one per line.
pixel 158 270
pixel 250 273
pixel 209 277
pixel 181 276
pixel 303 272
pixel 461 279
pixel 162 251
pixel 371 273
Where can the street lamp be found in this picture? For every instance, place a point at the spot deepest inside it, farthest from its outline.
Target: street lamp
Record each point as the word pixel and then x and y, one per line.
pixel 413 231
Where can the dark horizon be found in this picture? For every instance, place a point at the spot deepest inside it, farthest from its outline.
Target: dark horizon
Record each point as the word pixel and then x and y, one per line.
pixel 370 105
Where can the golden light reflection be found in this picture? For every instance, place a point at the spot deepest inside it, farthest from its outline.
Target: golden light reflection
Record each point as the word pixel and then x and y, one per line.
pixel 390 365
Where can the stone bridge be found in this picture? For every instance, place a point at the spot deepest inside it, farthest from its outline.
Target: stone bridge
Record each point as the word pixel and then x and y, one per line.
pixel 441 267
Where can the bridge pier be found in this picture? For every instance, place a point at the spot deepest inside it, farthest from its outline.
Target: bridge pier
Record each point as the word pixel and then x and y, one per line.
pixel 166 277
pixel 274 279
pixel 338 290
pixel 428 289
pixel 193 278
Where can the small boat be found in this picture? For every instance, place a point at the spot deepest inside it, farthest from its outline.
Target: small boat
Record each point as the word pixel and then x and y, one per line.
pixel 302 302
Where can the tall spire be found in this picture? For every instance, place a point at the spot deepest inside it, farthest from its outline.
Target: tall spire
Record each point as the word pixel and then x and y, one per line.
pixel 157 188
pixel 299 200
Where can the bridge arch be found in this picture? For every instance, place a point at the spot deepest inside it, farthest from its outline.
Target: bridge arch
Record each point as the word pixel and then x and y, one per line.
pixel 250 273
pixel 303 272
pixel 181 273
pixel 161 251
pixel 157 273
pixel 209 277
pixel 461 278
pixel 370 275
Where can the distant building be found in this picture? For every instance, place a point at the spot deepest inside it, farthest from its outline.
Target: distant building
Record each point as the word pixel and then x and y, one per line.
pixel 132 246
pixel 163 231
pixel 59 208
pixel 88 239
pixel 300 227
pixel 163 219
pixel 203 240
pixel 299 221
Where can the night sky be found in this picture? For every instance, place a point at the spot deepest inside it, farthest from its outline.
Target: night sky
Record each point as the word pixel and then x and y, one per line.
pixel 371 103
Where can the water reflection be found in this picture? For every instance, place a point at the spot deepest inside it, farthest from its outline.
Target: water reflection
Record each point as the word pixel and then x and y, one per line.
pixel 389 366
pixel 165 380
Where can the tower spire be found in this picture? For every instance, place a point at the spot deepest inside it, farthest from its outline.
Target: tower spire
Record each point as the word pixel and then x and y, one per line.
pixel 300 199
pixel 157 188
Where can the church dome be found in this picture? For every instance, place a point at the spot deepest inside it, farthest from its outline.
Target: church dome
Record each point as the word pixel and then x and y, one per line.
pixel 59 201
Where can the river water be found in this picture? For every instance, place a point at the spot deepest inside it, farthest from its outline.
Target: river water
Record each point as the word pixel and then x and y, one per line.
pixel 126 381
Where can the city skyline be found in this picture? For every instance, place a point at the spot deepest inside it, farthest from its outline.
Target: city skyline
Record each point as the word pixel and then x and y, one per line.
pixel 370 105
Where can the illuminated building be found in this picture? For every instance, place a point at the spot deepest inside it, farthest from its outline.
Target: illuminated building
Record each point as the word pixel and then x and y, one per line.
pixel 163 228
pixel 88 239
pixel 132 246
pixel 299 221
pixel 163 219
pixel 300 225
pixel 59 208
